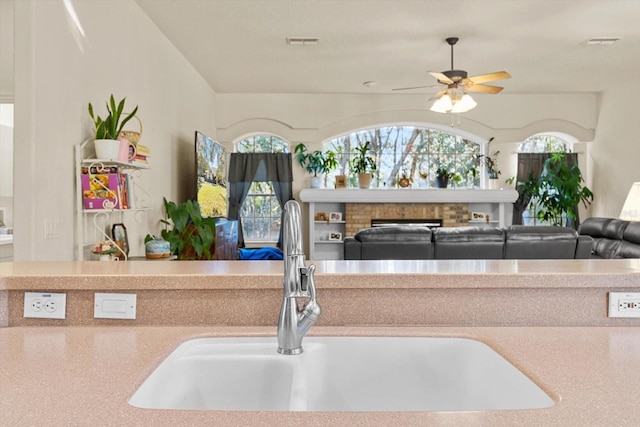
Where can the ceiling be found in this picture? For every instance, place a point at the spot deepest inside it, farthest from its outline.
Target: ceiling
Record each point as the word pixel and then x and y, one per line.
pixel 239 45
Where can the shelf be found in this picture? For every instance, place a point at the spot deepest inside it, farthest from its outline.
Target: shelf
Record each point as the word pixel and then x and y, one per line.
pixel 128 165
pixel 330 222
pixel 329 241
pixel 88 211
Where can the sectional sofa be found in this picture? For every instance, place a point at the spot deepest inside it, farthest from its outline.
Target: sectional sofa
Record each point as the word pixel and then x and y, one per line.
pixel 612 238
pixel 514 242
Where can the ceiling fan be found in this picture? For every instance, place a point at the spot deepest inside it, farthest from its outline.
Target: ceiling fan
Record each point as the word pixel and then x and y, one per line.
pixel 458 83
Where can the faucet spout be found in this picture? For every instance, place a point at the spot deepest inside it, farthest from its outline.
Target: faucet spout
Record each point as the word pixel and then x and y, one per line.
pixel 298 282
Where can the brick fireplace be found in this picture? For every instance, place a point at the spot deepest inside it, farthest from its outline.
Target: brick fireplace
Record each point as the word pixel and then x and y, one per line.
pixel 359 215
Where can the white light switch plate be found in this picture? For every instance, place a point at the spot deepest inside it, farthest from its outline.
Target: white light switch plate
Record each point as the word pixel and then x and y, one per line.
pixel 114 306
pixel 45 305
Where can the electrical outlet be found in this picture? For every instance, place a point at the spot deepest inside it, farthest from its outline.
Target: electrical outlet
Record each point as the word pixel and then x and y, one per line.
pixel 45 305
pixel 624 304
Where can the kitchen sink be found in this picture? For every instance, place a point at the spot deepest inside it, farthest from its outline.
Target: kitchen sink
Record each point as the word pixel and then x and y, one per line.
pixel 339 374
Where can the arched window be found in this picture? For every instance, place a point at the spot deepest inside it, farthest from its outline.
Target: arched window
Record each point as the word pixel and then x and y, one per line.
pixel 535 150
pixel 411 152
pixel 545 143
pixel 261 211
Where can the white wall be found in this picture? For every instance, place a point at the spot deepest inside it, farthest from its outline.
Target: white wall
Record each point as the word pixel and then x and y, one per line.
pixel 58 71
pixel 615 152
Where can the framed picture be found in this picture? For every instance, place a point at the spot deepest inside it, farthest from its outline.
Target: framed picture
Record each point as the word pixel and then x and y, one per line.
pixel 119 235
pixel 478 216
pixel 321 216
pixel 341 181
pixel 335 236
pixel 335 216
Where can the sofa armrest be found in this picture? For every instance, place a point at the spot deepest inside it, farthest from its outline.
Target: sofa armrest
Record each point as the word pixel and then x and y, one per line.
pixel 352 248
pixel 584 247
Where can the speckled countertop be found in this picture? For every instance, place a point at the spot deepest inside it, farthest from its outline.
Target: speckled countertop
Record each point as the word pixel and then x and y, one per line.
pixel 81 376
pixel 360 274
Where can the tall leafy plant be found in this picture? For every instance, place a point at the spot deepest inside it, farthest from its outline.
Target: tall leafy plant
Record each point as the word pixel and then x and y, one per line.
pixel 558 190
pixel 110 126
pixel 191 236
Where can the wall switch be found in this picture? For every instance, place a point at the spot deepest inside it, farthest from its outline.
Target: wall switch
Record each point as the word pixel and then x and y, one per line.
pixel 45 305
pixel 114 306
pixel 624 304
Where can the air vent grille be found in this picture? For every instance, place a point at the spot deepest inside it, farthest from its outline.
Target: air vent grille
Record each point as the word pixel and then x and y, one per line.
pixel 302 41
pixel 598 41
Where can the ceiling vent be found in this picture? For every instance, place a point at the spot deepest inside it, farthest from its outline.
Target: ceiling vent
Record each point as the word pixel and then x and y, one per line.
pixel 302 41
pixel 598 41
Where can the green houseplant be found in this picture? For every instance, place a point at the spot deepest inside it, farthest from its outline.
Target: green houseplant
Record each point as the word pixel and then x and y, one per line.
pixel 191 235
pixel 315 162
pixel 443 176
pixel 108 129
pixel 363 164
pixel 558 191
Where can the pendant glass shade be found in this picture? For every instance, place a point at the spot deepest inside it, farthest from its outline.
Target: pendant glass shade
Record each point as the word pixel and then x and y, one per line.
pixel 454 101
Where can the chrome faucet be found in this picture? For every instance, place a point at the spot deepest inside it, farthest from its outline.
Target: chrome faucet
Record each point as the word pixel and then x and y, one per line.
pixel 298 283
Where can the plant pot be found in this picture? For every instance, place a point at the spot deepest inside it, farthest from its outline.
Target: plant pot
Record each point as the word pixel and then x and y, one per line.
pixel 442 181
pixel 493 183
pixel 364 180
pixel 107 149
pixel 341 181
pixel 157 248
pixel 316 182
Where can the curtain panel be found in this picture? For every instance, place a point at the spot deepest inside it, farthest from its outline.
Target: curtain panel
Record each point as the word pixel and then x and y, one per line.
pixel 247 168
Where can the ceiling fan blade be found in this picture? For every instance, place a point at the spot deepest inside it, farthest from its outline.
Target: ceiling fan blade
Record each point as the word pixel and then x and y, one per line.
pixel 441 78
pixel 491 77
pixel 413 87
pixel 438 95
pixel 483 89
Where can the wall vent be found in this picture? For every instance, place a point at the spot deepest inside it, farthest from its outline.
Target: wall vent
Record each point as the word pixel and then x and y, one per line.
pixel 598 41
pixel 302 41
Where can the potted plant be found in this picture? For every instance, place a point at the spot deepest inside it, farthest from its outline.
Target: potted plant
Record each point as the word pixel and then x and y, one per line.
pixel 191 235
pixel 490 161
pixel 315 163
pixel 108 129
pixel 443 176
pixel 558 191
pixel 363 165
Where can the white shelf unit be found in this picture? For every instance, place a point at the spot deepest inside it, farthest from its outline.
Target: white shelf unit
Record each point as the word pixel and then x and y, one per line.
pixel 320 246
pixel 92 225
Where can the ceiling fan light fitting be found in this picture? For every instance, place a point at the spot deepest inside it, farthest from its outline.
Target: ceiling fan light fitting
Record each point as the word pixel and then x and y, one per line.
pixel 466 103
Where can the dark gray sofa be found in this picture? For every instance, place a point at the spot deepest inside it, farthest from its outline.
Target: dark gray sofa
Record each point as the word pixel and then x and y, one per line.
pixel 612 238
pixel 514 242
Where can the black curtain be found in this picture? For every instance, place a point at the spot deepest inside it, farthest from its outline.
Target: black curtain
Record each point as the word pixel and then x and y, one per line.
pixel 246 168
pixel 533 164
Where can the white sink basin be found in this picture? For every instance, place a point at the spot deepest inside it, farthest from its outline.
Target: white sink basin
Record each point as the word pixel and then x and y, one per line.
pixel 339 374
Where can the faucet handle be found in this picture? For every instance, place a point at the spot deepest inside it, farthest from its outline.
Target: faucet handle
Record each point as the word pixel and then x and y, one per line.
pixel 308 284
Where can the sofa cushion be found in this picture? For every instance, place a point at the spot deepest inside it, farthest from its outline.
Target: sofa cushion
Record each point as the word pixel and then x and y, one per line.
pixel 540 242
pixel 632 232
pixel 595 227
pixel 615 229
pixel 630 246
pixel 395 242
pixel 403 233
pixel 468 243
